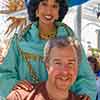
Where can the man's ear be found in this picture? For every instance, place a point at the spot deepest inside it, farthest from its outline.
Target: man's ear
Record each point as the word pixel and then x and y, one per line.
pixel 47 65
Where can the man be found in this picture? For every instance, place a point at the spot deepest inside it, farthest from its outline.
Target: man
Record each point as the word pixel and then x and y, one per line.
pixel 62 57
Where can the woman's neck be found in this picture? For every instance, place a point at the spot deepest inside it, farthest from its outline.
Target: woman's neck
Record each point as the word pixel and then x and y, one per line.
pixel 56 94
pixel 45 28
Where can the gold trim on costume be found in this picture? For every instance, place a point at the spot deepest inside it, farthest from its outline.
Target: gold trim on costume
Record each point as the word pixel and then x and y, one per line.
pixel 27 57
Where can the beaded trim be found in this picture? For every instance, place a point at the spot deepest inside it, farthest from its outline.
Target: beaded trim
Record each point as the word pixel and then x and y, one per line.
pixel 47 36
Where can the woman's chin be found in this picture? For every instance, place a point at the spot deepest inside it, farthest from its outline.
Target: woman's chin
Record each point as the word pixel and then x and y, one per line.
pixel 47 22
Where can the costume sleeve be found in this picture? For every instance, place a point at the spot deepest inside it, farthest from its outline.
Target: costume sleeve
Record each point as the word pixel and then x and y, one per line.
pixel 8 70
pixel 86 81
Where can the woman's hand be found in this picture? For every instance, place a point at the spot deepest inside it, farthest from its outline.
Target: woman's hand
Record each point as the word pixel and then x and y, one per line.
pixel 20 91
pixel 85 98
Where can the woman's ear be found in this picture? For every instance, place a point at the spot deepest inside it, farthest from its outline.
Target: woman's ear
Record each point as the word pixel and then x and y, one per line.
pixel 37 13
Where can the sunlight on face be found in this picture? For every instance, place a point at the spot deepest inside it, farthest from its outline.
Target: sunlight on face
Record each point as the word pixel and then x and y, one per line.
pixel 63 67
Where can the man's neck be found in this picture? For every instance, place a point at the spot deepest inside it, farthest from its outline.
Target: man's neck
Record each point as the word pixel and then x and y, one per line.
pixel 56 94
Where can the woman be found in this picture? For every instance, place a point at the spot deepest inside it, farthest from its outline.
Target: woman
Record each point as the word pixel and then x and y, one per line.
pixel 24 59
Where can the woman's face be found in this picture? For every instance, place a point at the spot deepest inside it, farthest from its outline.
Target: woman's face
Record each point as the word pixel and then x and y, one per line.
pixel 48 11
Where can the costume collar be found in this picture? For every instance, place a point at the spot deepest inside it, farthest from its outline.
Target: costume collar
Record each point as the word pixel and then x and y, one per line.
pixel 34 31
pixel 33 43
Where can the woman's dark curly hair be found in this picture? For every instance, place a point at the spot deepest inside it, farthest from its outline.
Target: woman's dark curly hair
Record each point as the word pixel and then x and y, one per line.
pixel 32 5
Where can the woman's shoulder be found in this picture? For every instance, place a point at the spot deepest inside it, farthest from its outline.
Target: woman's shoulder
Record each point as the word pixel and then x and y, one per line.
pixel 63 26
pixel 24 32
pixel 27 32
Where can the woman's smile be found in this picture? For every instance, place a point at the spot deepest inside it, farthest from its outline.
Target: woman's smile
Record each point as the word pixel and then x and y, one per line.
pixel 48 17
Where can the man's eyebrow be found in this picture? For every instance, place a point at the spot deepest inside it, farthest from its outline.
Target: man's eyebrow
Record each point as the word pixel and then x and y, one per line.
pixel 68 59
pixel 72 59
pixel 56 59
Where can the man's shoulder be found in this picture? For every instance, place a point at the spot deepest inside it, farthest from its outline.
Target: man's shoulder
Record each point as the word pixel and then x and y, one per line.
pixel 74 96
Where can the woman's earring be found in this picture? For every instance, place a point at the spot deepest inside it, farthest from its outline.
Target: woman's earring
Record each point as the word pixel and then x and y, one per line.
pixel 37 15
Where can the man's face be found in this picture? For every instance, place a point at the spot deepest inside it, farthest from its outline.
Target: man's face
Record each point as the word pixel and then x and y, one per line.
pixel 62 67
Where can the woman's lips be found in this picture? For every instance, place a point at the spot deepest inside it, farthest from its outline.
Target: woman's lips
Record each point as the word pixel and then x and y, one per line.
pixel 48 17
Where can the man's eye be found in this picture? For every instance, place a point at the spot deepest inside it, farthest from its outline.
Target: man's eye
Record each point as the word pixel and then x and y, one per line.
pixel 58 63
pixel 70 65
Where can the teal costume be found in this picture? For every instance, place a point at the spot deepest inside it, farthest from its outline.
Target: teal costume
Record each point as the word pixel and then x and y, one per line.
pixel 25 61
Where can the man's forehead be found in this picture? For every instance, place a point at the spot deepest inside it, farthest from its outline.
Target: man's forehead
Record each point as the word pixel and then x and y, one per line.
pixel 66 52
pixel 63 48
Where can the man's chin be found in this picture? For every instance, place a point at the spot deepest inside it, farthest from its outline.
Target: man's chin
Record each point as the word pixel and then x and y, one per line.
pixel 62 88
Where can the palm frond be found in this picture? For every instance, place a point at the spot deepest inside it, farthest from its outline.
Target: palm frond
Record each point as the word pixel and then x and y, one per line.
pixel 16 23
pixel 9 6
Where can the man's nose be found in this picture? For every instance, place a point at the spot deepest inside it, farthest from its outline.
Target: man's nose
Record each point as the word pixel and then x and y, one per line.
pixel 65 68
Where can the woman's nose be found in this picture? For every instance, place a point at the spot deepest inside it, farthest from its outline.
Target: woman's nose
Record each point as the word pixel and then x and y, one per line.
pixel 48 10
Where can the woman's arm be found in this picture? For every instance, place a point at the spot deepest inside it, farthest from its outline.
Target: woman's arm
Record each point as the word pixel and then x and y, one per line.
pixel 20 91
pixel 8 70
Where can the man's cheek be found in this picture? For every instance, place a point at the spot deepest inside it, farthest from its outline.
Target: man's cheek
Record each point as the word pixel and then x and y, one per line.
pixel 75 72
pixel 56 71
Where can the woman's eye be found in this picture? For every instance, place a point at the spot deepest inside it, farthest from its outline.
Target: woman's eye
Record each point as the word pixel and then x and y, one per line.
pixel 44 3
pixel 55 6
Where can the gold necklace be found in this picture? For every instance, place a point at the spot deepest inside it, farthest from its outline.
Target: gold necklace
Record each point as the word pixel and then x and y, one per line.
pixel 48 35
